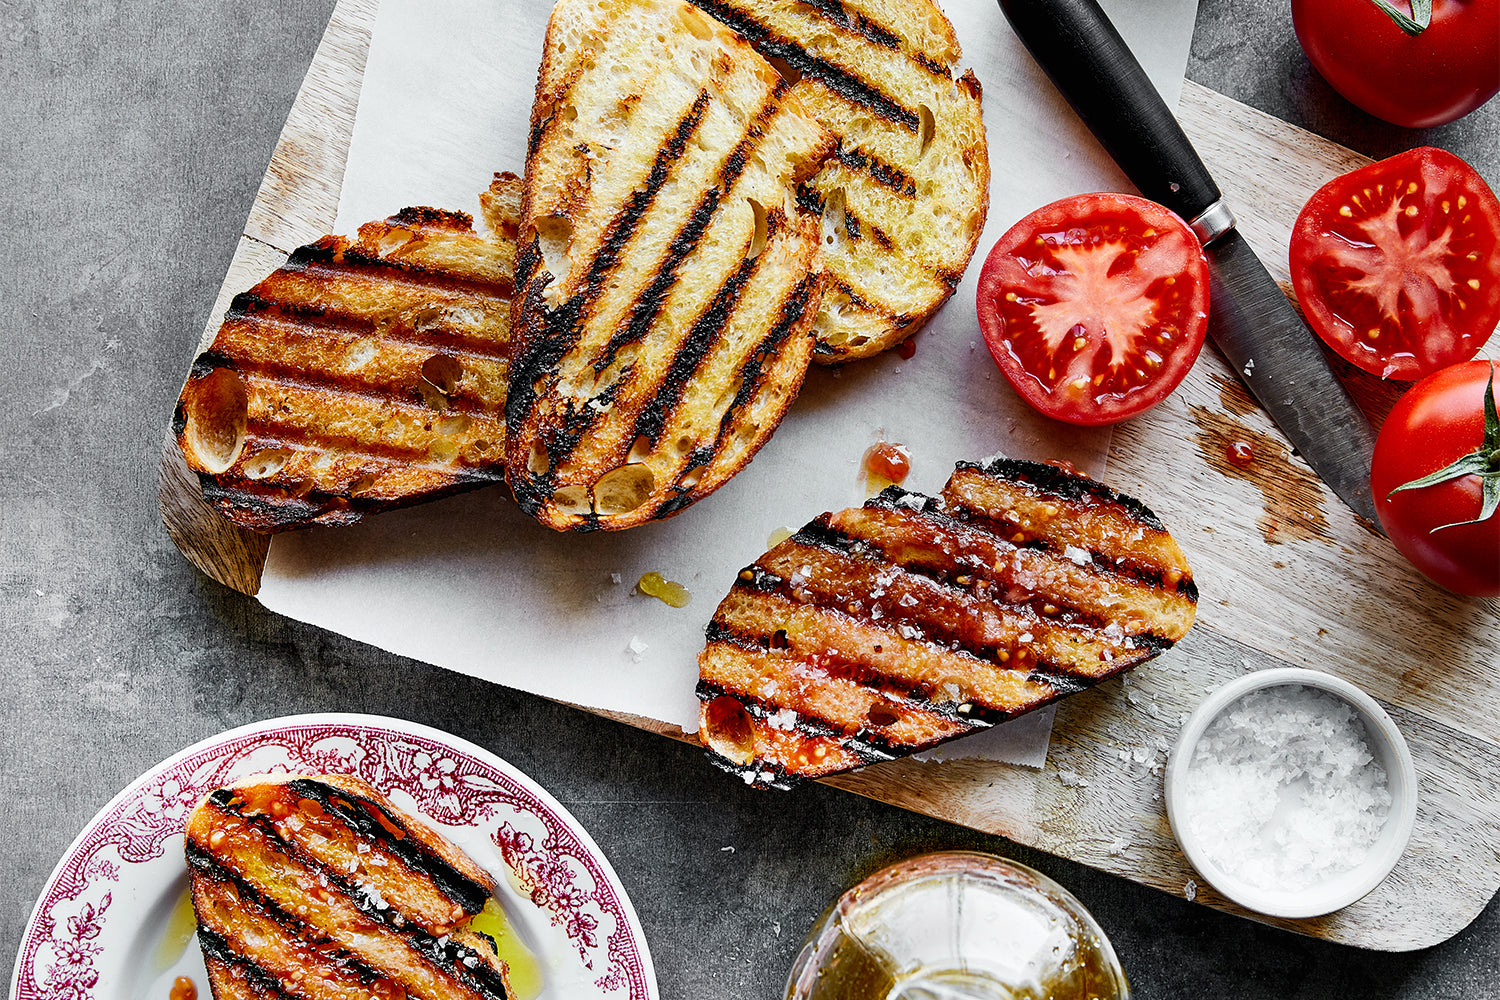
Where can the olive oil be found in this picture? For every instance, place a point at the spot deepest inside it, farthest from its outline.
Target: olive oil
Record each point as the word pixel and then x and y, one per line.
pixel 524 971
pixel 182 924
pixel 667 591
pixel 957 926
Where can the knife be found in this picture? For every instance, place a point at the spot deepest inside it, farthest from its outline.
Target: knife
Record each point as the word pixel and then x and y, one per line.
pixel 1250 320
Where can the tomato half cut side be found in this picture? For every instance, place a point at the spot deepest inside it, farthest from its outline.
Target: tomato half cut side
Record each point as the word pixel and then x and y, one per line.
pixel 1395 263
pixel 1095 306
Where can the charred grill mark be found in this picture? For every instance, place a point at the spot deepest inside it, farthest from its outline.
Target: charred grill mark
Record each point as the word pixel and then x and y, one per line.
pixel 1146 574
pixel 809 199
pixel 751 371
pixel 835 78
pixel 852 225
pixel 1061 684
pixel 298 378
pixel 931 65
pixel 856 22
pixel 377 823
pixel 887 174
pixel 706 332
pixel 327 268
pixel 650 303
pixel 441 953
pixel 560 328
pixel 1075 491
pixel 441 218
pixel 310 321
pixel 1060 617
pixel 858 738
pixel 215 948
pixel 1055 482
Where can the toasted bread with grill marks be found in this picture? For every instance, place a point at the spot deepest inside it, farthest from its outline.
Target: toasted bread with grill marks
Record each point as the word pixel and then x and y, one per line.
pixel 361 375
pixel 887 629
pixel 667 279
pixel 904 197
pixel 319 887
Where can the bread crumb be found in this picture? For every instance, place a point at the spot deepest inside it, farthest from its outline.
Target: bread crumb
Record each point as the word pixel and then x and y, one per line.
pixel 635 647
pixel 1190 890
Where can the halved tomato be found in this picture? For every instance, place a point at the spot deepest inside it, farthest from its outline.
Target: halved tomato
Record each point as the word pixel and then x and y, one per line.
pixel 1395 263
pixel 1095 306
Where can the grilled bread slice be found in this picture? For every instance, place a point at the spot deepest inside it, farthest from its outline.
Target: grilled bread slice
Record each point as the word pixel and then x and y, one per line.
pixel 886 629
pixel 903 199
pixel 667 279
pixel 319 887
pixel 360 376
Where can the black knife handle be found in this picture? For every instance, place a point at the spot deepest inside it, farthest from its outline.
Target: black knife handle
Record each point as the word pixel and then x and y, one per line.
pixel 1077 46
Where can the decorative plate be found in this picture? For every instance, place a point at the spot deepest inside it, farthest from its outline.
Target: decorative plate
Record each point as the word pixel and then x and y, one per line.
pixel 114 921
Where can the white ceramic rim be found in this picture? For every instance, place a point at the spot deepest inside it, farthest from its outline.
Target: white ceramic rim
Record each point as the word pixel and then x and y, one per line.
pixel 1340 890
pixel 80 941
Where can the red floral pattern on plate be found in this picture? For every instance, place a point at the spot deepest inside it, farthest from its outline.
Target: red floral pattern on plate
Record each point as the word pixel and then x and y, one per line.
pixel 559 868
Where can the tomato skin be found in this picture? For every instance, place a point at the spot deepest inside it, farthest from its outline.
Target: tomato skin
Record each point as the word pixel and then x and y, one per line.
pixel 1437 421
pixel 1408 247
pixel 1094 307
pixel 1448 70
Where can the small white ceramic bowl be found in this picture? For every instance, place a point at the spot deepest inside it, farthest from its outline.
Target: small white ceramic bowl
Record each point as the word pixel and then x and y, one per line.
pixel 1337 891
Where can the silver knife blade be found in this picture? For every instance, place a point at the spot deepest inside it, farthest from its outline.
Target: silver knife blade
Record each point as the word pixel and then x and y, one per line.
pixel 1250 320
pixel 1279 360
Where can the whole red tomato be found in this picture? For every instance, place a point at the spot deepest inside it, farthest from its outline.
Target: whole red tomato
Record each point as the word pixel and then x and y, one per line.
pixel 1441 528
pixel 1417 81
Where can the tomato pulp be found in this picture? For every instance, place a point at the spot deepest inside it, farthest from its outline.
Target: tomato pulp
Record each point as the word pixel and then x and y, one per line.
pixel 1095 306
pixel 1416 81
pixel 1438 421
pixel 1396 263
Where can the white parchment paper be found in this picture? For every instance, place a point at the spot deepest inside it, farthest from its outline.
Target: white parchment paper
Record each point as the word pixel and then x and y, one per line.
pixel 471 584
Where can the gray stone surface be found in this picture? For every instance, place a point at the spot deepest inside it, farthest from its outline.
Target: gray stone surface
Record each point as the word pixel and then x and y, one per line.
pixel 134 136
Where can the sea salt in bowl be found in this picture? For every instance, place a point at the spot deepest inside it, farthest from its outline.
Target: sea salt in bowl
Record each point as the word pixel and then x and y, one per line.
pixel 1291 792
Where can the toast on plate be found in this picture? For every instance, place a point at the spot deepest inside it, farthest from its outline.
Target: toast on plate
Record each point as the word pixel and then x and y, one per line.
pixel 904 197
pixel 667 278
pixel 362 375
pixel 319 887
pixel 886 629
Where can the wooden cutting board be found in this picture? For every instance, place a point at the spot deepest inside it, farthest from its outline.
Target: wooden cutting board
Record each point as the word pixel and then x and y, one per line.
pixel 1289 575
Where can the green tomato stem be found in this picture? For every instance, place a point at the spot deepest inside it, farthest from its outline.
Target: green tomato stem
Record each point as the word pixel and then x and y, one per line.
pixel 1483 462
pixel 1413 24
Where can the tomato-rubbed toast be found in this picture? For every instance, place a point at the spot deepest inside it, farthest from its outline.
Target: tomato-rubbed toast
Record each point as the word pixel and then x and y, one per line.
pixel 903 199
pixel 362 375
pixel 887 629
pixel 667 279
pixel 319 887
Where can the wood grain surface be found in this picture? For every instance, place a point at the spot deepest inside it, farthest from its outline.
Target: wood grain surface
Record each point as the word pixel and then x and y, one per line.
pixel 1288 573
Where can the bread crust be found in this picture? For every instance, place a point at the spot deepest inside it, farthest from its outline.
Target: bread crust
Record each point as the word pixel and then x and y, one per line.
pixel 362 375
pixel 888 629
pixel 318 886
pixel 904 197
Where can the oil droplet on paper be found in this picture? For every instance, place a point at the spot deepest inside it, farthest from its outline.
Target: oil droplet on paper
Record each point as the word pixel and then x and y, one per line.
pixel 667 591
